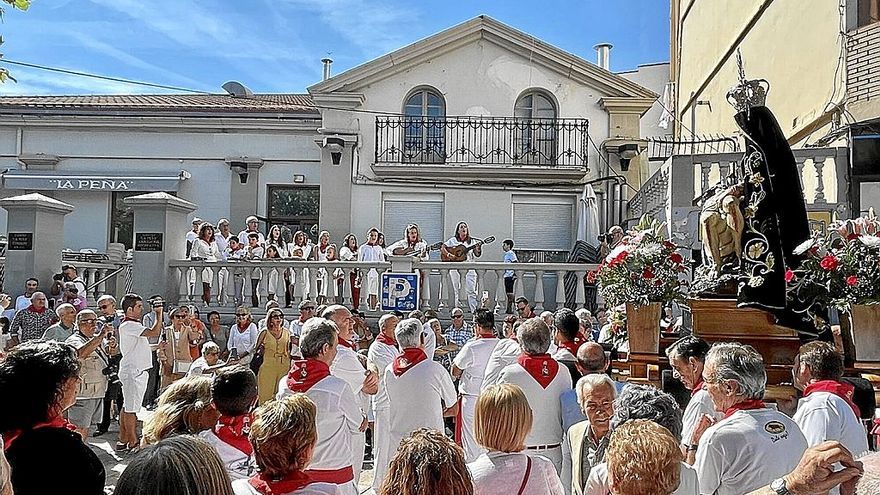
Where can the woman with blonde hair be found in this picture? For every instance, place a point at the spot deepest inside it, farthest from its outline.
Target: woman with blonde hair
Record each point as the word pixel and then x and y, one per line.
pixel 502 421
pixel 283 435
pixel 181 465
pixel 274 340
pixel 643 459
pixel 184 407
pixel 428 463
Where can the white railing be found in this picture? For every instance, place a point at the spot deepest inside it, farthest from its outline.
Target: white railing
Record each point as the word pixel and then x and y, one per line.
pixel 437 289
pixel 110 277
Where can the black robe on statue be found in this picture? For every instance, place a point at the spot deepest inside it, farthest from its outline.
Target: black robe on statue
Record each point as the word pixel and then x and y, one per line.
pixel 775 218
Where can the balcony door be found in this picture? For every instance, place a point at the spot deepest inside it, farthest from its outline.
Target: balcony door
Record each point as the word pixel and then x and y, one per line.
pixel 424 139
pixel 536 129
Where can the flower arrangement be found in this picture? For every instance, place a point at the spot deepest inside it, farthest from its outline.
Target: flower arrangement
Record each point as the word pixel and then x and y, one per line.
pixel 841 267
pixel 644 268
pixel 617 326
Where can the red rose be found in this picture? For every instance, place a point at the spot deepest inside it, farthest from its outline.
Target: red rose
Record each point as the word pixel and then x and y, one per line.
pixel 658 282
pixel 789 275
pixel 852 280
pixel 648 273
pixel 829 263
pixel 676 258
pixel 668 245
pixel 852 237
pixel 591 277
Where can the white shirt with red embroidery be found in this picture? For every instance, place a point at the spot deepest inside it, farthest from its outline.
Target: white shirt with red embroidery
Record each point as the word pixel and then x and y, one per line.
pixel 546 408
pixel 472 360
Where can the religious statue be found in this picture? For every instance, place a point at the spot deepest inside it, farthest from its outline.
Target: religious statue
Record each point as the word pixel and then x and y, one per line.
pixel 721 229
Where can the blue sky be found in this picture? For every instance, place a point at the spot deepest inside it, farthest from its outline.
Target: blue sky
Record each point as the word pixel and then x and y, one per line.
pixel 276 45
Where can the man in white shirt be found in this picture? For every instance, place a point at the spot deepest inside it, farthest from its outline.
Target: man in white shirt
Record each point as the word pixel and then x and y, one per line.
pixel 419 391
pixel 351 367
pixel 30 286
pixel 306 311
pixel 505 353
pixel 753 445
pixel 341 417
pixel 686 356
pixel 470 366
pixel 827 411
pixel 252 224
pixel 543 380
pixel 135 365
pixel 382 352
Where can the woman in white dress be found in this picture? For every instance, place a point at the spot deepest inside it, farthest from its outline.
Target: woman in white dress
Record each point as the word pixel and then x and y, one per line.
pixel 205 249
pixel 319 253
pixel 300 250
pixel 502 421
pixel 273 253
pixel 349 252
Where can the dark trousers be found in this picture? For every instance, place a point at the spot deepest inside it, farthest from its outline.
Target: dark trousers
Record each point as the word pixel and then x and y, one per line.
pixel 153 383
pixel 113 394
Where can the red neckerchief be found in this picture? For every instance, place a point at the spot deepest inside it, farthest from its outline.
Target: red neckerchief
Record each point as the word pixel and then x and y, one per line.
pixel 699 386
pixel 843 390
pixel 345 343
pixel 243 328
pixel 56 422
pixel 574 345
pixel 306 373
pixel 290 483
pixel 484 335
pixel 33 309
pixel 542 367
pixel 234 431
pixel 386 340
pixel 744 406
pixel 404 361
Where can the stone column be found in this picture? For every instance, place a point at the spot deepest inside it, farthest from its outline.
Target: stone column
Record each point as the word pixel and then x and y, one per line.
pixel 35 233
pixel 160 226
pixel 244 189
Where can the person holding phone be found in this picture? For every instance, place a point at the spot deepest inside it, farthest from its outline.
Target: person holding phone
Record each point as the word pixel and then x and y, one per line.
pixel 88 339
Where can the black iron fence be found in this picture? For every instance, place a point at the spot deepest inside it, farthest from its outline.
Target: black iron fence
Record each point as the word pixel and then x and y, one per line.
pixel 482 140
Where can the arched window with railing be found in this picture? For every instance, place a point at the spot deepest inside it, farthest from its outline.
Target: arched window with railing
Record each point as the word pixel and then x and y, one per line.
pixel 424 139
pixel 536 112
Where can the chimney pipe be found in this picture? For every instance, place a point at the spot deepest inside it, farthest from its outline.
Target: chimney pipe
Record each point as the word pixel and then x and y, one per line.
pixel 326 62
pixel 603 55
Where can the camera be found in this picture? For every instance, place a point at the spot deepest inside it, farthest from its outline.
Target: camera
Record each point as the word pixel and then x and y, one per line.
pixel 111 371
pixel 604 238
pixel 157 303
pixel 108 318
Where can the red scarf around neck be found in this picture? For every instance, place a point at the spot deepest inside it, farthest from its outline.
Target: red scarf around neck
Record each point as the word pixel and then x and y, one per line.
pixel 404 361
pixel 542 367
pixel 574 345
pixel 291 482
pixel 699 386
pixel 243 326
pixel 745 405
pixel 304 374
pixel 386 340
pixel 234 430
pixel 34 309
pixel 345 343
pixel 843 390
pixel 56 422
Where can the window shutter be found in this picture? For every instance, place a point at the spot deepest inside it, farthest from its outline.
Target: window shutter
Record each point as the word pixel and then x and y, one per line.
pixel 542 226
pixel 428 215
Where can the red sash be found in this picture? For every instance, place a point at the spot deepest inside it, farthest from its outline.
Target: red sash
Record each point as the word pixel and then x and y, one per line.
pixel 304 374
pixel 234 430
pixel 745 406
pixel 336 476
pixel 57 422
pixel 843 390
pixel 289 483
pixel 386 340
pixel 459 423
pixel 345 343
pixel 542 367
pixel 404 361
pixel 699 386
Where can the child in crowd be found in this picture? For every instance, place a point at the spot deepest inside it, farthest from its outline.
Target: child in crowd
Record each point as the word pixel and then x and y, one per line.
pixel 234 394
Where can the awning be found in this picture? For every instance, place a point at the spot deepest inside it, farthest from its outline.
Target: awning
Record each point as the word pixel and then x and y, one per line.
pixel 92 181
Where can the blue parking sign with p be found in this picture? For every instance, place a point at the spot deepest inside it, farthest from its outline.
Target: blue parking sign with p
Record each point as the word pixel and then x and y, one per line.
pixel 400 291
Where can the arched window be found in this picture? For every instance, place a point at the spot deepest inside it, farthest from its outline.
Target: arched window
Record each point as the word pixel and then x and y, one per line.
pixel 536 136
pixel 424 134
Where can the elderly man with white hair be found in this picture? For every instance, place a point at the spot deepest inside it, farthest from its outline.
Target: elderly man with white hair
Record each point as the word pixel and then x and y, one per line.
pixel 341 417
pixel 64 328
pixel 543 381
pixel 580 446
pixel 753 445
pixel 419 391
pixel 382 352
pixel 89 341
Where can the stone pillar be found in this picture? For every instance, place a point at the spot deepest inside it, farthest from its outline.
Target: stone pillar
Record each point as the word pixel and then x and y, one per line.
pixel 160 226
pixel 35 233
pixel 243 195
pixel 336 204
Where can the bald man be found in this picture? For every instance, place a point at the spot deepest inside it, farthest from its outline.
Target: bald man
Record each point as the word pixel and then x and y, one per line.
pixel 591 358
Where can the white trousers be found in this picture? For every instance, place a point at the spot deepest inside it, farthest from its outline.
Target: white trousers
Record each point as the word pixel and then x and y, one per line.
pixel 358 444
pixel 472 449
pixel 470 287
pixel 382 452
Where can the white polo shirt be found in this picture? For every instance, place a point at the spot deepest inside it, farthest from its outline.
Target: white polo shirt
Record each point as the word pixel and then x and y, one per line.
pixel 472 360
pixel 135 349
pixel 339 418
pixel 824 416
pixel 417 399
pixel 748 450
pixel 546 408
pixel 700 404
pixel 504 354
pixel 599 484
pixel 381 355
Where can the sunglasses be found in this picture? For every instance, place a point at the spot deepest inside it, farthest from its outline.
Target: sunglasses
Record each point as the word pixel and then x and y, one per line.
pixel 104 306
pixel 308 309
pixel 458 316
pixel 179 317
pixel 242 316
pixel 277 317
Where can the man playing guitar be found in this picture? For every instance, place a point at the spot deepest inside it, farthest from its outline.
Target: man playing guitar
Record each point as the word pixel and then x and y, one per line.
pixel 463 237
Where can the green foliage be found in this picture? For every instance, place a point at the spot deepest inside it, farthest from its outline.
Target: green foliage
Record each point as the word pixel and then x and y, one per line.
pixel 20 5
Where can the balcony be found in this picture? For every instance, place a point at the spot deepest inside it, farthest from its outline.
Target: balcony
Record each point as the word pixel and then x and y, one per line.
pixel 482 148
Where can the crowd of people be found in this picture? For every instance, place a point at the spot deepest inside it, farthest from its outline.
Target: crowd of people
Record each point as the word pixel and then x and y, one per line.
pixel 523 406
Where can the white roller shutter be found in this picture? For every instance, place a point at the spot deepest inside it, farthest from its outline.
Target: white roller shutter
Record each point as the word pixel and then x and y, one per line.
pixel 542 226
pixel 428 215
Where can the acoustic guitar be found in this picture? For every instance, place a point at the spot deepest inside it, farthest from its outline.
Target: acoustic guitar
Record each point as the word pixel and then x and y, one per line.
pixel 408 250
pixel 460 252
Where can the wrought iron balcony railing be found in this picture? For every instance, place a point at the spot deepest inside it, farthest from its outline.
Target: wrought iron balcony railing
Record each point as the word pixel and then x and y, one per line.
pixel 482 140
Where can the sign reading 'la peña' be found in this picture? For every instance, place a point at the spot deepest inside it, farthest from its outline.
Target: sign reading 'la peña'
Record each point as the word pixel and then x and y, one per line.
pixel 92 184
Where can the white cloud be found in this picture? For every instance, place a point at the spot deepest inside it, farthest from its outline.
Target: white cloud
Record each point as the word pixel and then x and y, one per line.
pixel 38 82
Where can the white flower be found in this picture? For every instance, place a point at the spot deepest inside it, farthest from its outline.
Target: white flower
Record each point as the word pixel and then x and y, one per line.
pixel 804 246
pixel 872 241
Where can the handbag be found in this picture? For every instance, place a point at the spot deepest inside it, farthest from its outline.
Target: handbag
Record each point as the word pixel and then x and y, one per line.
pixel 181 366
pixel 525 481
pixel 259 352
